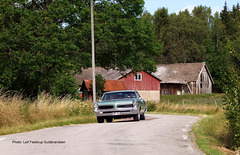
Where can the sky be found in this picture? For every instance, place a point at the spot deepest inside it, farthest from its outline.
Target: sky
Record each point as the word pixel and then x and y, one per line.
pixel 174 6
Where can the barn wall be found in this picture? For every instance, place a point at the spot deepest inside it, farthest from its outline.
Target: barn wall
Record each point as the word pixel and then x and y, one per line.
pixel 171 89
pixel 204 83
pixel 148 87
pixel 148 82
pixel 150 95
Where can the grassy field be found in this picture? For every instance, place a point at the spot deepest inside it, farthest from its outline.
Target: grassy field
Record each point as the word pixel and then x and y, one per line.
pixel 21 115
pixel 211 133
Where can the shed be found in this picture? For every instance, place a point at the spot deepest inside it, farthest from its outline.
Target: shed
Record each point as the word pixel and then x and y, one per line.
pixel 184 78
pixel 110 85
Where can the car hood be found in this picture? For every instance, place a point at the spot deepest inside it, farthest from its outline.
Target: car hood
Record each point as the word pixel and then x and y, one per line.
pixel 116 102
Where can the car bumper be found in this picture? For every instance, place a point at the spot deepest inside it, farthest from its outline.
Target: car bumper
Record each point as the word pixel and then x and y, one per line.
pixel 116 113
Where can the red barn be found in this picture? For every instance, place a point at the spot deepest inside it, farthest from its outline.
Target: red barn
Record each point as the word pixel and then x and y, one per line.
pixel 146 84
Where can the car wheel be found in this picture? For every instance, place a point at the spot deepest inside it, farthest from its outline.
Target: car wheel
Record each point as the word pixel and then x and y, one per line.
pixel 136 117
pixel 100 120
pixel 142 117
pixel 109 120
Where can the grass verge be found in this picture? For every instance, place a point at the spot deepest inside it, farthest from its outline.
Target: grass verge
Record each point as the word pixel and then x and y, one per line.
pixel 211 132
pixel 21 115
pixel 212 135
pixel 48 124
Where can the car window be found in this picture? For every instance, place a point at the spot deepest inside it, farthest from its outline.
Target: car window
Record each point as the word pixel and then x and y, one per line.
pixel 119 96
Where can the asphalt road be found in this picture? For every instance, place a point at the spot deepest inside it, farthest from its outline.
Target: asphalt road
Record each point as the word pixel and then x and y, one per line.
pixel 157 135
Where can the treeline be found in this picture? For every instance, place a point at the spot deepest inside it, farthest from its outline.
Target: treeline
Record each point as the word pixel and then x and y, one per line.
pixel 44 42
pixel 198 36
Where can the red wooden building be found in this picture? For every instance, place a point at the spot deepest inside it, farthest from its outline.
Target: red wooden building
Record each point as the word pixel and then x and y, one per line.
pixel 146 84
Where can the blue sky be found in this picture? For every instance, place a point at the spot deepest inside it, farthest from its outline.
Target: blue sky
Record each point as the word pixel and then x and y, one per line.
pixel 174 6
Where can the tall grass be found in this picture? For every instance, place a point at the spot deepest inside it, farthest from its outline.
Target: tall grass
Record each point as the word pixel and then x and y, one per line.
pixel 16 111
pixel 194 104
pixel 213 135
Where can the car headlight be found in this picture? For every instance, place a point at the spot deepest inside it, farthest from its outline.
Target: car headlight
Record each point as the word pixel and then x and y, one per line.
pixel 135 106
pixel 95 106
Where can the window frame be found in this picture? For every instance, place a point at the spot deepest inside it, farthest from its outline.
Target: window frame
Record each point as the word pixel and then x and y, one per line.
pixel 138 77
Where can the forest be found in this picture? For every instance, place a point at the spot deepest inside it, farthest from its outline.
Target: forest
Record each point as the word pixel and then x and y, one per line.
pixel 44 42
pixel 198 36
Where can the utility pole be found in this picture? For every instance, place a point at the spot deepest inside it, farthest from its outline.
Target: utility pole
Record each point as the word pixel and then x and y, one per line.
pixel 93 55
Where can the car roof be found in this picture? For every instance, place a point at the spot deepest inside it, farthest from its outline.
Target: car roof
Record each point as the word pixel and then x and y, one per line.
pixel 120 91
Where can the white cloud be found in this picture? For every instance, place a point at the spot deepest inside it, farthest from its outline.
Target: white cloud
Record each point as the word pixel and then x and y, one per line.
pixel 188 7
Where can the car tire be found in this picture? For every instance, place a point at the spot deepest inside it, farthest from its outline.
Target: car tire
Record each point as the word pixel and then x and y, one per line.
pixel 136 117
pixel 109 120
pixel 100 120
pixel 142 117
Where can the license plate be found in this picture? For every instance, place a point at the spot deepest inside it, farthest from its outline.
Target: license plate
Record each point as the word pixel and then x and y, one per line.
pixel 116 113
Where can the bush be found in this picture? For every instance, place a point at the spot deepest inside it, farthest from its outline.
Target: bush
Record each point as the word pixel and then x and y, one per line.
pixel 232 99
pixel 151 106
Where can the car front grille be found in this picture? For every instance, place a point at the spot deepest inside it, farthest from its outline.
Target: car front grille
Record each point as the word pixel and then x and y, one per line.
pixel 106 107
pixel 125 106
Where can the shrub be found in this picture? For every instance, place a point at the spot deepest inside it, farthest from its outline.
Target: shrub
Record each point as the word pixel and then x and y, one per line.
pixel 151 106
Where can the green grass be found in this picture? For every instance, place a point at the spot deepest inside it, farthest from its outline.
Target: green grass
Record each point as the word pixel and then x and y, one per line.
pixel 212 135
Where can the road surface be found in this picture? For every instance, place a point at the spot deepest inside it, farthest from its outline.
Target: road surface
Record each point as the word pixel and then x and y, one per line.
pixel 157 135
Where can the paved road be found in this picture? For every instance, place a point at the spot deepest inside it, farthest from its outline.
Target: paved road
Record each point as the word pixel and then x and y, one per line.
pixel 157 135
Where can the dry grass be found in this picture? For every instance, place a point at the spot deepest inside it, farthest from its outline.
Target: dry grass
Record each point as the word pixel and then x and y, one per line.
pixel 192 104
pixel 188 108
pixel 16 111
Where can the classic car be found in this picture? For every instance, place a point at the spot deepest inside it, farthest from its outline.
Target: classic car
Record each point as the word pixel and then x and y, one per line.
pixel 120 104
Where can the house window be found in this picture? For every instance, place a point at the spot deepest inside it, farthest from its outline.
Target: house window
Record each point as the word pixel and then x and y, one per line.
pixel 138 77
pixel 164 92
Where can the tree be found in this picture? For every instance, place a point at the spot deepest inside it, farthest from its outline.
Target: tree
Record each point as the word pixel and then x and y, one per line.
pixel 35 46
pixel 100 82
pixel 185 39
pixel 227 20
pixel 161 22
pixel 122 38
pixel 232 98
pixel 43 40
pixel 147 17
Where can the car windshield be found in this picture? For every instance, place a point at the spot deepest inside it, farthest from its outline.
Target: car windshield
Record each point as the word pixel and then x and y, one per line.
pixel 119 96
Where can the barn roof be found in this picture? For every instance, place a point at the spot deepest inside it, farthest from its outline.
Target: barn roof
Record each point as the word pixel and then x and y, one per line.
pixel 180 73
pixel 110 85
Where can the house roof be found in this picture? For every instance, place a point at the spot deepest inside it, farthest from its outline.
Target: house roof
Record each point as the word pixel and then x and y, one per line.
pixel 180 73
pixel 110 74
pixel 110 85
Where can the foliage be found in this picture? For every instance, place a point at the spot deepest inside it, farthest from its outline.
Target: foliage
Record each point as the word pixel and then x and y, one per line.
pixel 232 98
pixel 64 85
pixel 44 41
pixel 100 82
pixel 151 106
